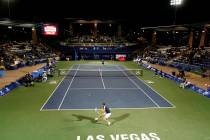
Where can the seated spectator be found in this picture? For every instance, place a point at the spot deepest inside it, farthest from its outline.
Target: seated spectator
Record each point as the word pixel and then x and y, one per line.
pixel 173 73
pixel 50 72
pixel 44 76
pixel 184 84
pixel 181 74
pixel 28 80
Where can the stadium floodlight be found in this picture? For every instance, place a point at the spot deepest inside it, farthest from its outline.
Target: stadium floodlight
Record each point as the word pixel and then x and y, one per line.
pixel 176 2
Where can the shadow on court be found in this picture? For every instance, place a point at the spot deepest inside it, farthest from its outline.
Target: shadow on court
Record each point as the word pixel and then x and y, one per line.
pixel 119 118
pixel 91 119
pixel 81 118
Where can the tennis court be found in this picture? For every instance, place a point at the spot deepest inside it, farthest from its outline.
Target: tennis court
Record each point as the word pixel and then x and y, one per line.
pixel 133 113
pixel 86 86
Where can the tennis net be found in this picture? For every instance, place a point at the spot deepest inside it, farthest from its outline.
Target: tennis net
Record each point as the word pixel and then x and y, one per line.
pixel 100 72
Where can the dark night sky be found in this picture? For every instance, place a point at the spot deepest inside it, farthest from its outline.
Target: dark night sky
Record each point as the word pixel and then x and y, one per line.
pixel 144 12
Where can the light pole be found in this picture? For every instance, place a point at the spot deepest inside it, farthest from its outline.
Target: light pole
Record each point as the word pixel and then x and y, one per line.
pixel 8 4
pixel 9 7
pixel 175 3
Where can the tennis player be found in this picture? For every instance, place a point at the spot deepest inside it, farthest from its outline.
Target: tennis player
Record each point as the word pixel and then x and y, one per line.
pixel 102 61
pixel 106 113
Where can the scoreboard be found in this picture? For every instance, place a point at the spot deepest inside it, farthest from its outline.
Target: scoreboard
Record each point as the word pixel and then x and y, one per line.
pixel 50 30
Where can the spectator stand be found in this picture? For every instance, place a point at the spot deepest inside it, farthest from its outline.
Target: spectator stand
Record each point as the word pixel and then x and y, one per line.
pixel 35 74
pixel 178 80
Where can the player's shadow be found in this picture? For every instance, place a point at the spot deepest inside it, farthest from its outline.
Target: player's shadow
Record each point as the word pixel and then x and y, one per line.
pixel 81 118
pixel 120 118
pixel 116 119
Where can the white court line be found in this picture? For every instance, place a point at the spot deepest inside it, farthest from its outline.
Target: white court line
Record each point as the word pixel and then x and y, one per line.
pixel 156 91
pixel 54 90
pixel 84 88
pixel 100 71
pixel 138 87
pixel 106 88
pixel 91 109
pixel 68 88
pixel 98 64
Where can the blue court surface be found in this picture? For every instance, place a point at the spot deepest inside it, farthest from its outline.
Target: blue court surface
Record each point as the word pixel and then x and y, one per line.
pixel 83 91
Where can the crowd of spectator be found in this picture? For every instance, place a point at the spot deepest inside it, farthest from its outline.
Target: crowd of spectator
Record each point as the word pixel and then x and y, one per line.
pixel 188 59
pixel 161 55
pixel 15 54
pixel 195 56
pixel 96 39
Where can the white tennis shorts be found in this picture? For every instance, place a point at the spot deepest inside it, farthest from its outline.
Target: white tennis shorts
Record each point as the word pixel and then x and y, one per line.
pixel 107 115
